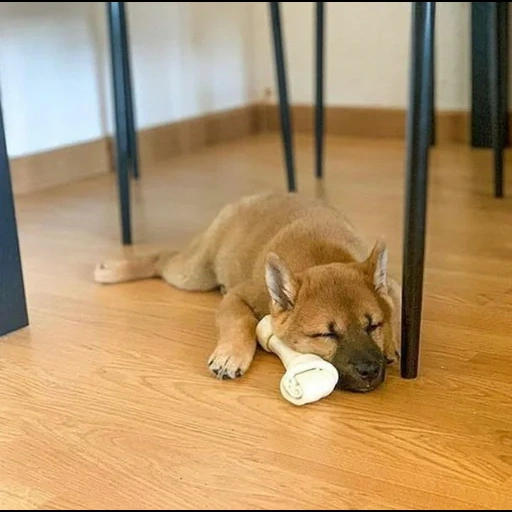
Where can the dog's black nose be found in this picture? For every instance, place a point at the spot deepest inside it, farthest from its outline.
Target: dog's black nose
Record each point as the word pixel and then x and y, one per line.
pixel 367 370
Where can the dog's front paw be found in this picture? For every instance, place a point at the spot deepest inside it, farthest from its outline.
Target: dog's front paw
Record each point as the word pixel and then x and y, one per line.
pixel 392 354
pixel 392 345
pixel 230 361
pixel 391 360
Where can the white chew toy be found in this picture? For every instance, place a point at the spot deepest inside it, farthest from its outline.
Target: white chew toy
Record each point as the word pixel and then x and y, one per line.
pixel 308 378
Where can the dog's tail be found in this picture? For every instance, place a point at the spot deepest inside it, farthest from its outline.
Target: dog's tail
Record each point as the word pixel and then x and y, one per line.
pixel 131 269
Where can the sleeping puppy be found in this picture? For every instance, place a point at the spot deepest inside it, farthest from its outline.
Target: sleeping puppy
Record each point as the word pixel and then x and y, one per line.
pixel 300 261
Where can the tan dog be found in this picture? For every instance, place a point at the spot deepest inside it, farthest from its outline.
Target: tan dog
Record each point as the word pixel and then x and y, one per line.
pixel 302 262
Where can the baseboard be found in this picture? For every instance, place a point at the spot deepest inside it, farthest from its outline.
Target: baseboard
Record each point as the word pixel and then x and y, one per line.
pixel 451 127
pixel 72 163
pixel 163 142
pixel 68 164
pixel 58 166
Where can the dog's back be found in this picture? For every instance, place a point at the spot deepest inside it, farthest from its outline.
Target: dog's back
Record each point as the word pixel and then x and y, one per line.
pixel 306 231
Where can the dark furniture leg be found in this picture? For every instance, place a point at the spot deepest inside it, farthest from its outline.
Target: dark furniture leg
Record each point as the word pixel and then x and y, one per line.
pixel 115 16
pixel 483 22
pixel 433 95
pixel 13 304
pixel 133 155
pixel 419 124
pixel 495 91
pixel 284 107
pixel 319 83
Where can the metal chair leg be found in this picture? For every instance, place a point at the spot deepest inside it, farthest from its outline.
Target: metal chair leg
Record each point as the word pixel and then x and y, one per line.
pixel 286 125
pixel 114 10
pixel 419 124
pixel 133 155
pixel 319 82
pixel 13 304
pixel 497 114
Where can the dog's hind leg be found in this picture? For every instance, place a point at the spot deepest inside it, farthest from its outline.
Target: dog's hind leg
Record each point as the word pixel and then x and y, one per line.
pixel 190 269
pixel 129 269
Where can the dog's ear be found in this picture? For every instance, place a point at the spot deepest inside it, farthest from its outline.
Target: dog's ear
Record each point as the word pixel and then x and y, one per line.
pixel 282 286
pixel 376 266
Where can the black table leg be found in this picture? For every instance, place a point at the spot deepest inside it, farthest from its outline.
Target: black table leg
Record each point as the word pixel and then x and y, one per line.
pixel 284 107
pixel 114 13
pixel 496 103
pixel 319 83
pixel 483 26
pixel 13 304
pixel 419 125
pixel 133 154
pixel 433 96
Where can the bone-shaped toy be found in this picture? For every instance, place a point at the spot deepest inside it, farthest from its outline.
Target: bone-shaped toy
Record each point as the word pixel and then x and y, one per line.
pixel 308 377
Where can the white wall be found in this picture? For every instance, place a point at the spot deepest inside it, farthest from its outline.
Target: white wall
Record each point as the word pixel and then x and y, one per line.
pixel 48 76
pixel 367 53
pixel 189 58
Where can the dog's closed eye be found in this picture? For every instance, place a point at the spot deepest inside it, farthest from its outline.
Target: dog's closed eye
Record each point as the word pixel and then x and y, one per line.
pixel 372 324
pixel 330 332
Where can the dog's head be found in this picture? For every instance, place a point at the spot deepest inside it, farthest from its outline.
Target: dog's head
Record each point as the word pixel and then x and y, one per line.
pixel 339 311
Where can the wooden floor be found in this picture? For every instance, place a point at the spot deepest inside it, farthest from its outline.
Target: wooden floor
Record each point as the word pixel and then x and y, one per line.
pixel 106 402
